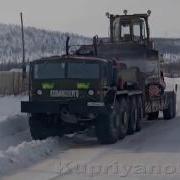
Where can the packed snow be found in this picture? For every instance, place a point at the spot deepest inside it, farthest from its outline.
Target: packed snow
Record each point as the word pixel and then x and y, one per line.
pixel 13 125
pixel 25 154
pixel 17 149
pixel 10 106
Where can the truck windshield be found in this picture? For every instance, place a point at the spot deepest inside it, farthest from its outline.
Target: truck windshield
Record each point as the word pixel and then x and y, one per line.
pixel 49 71
pixel 75 70
pixel 83 70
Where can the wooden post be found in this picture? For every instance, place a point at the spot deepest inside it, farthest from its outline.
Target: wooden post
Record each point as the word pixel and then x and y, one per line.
pixel 23 47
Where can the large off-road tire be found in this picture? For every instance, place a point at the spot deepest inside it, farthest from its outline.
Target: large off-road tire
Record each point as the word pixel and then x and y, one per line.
pixel 140 114
pixel 124 118
pixel 37 133
pixel 133 116
pixel 40 130
pixel 170 112
pixel 174 104
pixel 107 126
pixel 153 116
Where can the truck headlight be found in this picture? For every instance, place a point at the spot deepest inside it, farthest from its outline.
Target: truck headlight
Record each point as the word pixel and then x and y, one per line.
pixel 91 92
pixel 39 92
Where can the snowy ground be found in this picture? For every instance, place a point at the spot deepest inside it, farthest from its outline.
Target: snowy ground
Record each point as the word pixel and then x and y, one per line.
pixel 158 144
pixel 10 106
pixel 13 125
pixel 17 150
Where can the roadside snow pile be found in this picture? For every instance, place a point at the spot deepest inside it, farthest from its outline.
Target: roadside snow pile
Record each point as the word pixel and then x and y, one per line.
pixel 14 128
pixel 17 150
pixel 13 131
pixel 12 125
pixel 10 105
pixel 28 153
pixel 171 82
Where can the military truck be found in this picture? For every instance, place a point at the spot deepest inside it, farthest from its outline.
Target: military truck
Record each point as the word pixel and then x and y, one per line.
pixel 111 85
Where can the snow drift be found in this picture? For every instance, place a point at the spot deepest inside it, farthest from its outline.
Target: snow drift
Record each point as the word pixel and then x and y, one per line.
pixel 28 153
pixel 17 149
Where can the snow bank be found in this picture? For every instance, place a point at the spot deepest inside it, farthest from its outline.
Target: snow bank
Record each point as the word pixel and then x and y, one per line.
pixel 13 131
pixel 28 153
pixel 171 82
pixel 17 150
pixel 10 105
pixel 13 124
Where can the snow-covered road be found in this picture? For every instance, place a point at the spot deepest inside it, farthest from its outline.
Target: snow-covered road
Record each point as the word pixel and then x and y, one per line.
pixel 153 153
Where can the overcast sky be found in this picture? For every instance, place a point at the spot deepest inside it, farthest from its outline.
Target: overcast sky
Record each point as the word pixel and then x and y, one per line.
pixel 87 17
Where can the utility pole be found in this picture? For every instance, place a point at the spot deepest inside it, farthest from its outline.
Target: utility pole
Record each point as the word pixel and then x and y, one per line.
pixel 23 47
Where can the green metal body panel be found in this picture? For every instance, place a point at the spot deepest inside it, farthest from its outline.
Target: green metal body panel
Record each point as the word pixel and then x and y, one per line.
pixel 56 93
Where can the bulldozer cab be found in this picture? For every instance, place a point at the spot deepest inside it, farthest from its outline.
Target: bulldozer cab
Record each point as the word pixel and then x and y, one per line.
pixel 129 27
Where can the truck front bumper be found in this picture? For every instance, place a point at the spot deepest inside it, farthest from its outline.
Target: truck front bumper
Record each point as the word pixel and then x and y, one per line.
pixel 57 107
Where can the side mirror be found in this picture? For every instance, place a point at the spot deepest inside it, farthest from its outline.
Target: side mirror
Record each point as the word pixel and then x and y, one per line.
pixel 176 87
pixel 162 75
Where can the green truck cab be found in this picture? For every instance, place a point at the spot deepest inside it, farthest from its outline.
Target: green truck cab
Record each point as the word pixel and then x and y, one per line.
pixel 68 94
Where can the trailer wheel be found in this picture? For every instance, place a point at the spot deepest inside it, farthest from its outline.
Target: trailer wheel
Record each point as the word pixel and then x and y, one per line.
pixel 170 111
pixel 39 129
pixel 107 126
pixel 153 116
pixel 133 116
pixel 174 105
pixel 140 114
pixel 124 119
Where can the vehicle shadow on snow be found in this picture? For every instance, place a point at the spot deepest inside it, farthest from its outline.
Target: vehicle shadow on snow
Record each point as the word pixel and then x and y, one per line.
pixel 80 140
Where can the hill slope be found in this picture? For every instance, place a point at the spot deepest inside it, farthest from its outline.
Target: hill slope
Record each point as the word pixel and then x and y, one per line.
pixel 38 42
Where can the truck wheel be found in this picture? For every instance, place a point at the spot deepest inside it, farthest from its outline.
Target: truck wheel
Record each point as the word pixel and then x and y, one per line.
pixel 169 112
pixel 140 114
pixel 124 119
pixel 107 126
pixel 133 116
pixel 174 105
pixel 35 128
pixel 153 116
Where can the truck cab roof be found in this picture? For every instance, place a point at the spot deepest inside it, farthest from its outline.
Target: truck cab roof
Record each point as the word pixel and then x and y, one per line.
pixel 69 58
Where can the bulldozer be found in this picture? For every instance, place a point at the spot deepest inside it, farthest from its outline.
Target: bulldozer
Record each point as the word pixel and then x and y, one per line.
pixel 130 44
